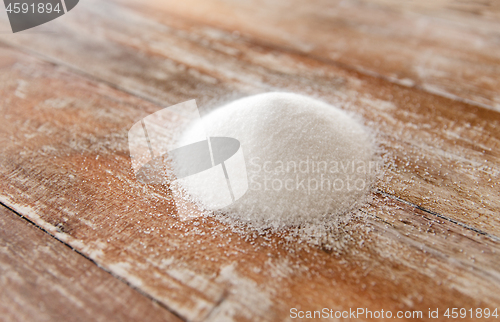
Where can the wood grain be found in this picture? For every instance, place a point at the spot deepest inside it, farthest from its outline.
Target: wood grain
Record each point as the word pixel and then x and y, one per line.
pixel 428 239
pixel 65 166
pixel 41 279
pixel 443 154
pixel 446 47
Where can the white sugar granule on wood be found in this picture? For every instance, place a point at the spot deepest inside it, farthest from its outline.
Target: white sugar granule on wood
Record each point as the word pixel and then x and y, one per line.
pixel 307 162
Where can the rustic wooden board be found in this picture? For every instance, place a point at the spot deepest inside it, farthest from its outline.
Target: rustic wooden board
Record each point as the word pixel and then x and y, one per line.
pixel 447 47
pixel 41 279
pixel 445 152
pixel 65 166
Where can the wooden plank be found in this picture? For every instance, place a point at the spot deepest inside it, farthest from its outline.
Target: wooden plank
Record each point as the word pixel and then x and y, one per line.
pixel 446 47
pixel 92 102
pixel 444 153
pixel 65 166
pixel 41 279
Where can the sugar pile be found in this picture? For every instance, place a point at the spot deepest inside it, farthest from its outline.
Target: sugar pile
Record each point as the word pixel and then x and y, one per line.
pixel 307 161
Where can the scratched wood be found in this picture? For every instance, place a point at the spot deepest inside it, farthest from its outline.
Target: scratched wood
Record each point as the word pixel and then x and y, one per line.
pixel 78 186
pixel 65 167
pixel 448 47
pixel 445 151
pixel 42 279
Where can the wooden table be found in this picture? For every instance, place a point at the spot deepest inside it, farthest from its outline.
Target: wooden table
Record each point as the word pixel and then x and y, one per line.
pixel 82 240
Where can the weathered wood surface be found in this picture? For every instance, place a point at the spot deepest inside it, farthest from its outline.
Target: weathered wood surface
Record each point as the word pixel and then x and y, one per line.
pixel 448 47
pixel 41 279
pixel 65 167
pixel 80 188
pixel 445 152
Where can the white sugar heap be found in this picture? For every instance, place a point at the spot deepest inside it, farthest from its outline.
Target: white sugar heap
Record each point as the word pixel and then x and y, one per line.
pixel 307 161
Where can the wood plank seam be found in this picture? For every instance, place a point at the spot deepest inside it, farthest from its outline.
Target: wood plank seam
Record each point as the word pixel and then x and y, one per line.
pixel 411 232
pixel 283 49
pixel 217 305
pixel 294 52
pixel 366 72
pixel 341 65
pixel 78 71
pixel 224 302
pixel 97 264
pixel 456 222
pixel 291 51
pixel 360 14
